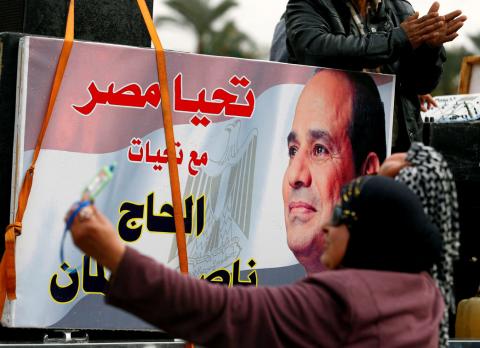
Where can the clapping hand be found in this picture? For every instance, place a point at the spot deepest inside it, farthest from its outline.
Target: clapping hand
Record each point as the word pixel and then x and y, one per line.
pixel 433 29
pixel 453 22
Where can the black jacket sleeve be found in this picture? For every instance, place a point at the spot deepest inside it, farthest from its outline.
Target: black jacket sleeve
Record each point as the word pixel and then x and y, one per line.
pixel 420 71
pixel 317 37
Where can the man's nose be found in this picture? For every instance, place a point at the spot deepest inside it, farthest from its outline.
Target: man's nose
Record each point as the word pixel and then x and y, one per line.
pixel 299 172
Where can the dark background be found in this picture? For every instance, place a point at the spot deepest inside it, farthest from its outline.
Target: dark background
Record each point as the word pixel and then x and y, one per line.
pixel 118 22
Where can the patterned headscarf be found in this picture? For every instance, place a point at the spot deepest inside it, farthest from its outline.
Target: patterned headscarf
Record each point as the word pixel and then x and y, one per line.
pixel 388 228
pixel 429 177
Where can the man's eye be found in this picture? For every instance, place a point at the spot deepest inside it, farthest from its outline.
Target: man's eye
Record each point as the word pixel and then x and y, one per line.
pixel 320 150
pixel 292 151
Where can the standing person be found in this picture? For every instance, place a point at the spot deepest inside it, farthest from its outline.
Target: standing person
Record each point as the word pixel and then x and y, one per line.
pixel 426 173
pixel 382 35
pixel 372 296
pixel 278 48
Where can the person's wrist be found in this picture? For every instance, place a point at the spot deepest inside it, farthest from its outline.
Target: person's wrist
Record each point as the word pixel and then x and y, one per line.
pixel 401 40
pixel 114 256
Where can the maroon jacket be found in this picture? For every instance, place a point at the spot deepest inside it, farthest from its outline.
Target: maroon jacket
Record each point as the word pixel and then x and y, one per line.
pixel 344 308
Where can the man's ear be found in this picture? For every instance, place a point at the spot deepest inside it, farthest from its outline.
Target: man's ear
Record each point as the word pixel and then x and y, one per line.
pixel 371 165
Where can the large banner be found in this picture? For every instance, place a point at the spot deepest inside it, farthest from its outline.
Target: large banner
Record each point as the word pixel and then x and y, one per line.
pixel 232 118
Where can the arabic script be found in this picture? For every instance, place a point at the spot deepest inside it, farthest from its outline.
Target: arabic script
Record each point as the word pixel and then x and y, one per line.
pixel 135 217
pixel 139 153
pixel 205 105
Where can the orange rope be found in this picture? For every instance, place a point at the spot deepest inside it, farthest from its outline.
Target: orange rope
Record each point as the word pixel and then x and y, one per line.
pixel 170 142
pixel 169 137
pixel 7 266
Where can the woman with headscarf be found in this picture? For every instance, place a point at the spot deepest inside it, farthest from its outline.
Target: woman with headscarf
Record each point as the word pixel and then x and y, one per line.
pixel 426 173
pixel 376 294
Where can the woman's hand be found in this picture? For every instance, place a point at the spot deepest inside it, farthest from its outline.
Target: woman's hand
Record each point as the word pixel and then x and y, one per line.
pixel 93 233
pixel 393 164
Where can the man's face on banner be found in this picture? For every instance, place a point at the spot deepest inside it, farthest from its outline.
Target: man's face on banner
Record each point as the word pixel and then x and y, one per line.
pixel 321 161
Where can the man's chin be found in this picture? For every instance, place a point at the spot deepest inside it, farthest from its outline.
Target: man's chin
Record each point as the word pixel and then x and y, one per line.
pixel 310 259
pixel 306 249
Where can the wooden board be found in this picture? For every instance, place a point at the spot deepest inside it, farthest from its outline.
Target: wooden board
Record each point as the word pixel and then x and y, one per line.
pixel 470 75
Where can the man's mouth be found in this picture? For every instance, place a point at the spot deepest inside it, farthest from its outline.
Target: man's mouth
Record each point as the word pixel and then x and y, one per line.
pixel 301 207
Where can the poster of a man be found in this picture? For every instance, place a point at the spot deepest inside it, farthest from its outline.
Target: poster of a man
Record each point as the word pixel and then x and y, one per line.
pixel 233 207
pixel 338 132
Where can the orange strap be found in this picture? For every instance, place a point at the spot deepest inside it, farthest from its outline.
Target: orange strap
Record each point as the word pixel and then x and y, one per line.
pixel 170 139
pixel 7 265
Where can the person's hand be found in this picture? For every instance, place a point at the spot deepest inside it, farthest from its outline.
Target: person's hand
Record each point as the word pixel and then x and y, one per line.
pixel 393 164
pixel 453 22
pixel 427 102
pixel 421 29
pixel 96 237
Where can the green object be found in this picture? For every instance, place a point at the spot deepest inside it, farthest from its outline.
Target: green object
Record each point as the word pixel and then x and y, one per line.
pixel 99 182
